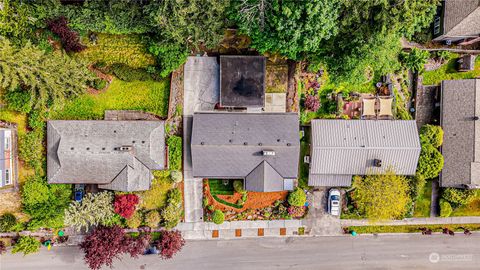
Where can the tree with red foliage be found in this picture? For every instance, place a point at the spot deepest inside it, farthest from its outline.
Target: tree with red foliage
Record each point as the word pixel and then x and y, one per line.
pixel 312 103
pixel 106 243
pixel 125 204
pixel 170 243
pixel 70 39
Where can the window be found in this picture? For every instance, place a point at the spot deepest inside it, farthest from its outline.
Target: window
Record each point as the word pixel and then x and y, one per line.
pixel 7 143
pixel 7 177
pixel 436 26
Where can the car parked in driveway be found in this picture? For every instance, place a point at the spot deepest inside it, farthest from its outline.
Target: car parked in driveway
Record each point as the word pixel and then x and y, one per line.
pixel 334 202
pixel 79 192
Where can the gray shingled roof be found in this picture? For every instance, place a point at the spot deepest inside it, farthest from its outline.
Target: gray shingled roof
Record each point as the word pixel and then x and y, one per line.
pixel 461 144
pixel 87 152
pixel 230 145
pixel 461 18
pixel 342 148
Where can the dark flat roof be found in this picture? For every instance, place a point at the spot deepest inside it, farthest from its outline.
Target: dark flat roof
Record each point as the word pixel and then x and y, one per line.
pixel 242 81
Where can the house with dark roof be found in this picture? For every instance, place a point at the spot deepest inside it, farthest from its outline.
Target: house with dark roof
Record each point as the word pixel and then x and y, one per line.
pixel 242 81
pixel 341 149
pixel 263 149
pixel 459 118
pixel 457 20
pixel 115 155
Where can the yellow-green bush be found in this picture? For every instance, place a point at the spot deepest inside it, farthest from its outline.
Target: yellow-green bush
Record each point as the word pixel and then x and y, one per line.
pixel 118 49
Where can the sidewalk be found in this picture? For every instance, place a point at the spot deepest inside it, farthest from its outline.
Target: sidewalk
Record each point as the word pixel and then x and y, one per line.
pixel 413 221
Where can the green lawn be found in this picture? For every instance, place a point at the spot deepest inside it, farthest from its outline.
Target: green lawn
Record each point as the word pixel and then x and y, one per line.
pixel 449 72
pixel 149 96
pixel 422 205
pixel 303 173
pixel 217 187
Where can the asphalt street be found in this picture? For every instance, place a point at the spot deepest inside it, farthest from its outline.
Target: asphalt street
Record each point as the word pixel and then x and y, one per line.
pixel 360 252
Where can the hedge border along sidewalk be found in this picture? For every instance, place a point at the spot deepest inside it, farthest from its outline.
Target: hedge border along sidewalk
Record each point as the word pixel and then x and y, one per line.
pixel 411 228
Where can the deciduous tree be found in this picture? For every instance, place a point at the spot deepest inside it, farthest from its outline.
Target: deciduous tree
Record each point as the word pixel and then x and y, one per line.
pixel 381 196
pixel 171 243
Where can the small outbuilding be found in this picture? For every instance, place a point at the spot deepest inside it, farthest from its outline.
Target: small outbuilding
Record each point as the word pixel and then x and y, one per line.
pixel 466 63
pixel 242 81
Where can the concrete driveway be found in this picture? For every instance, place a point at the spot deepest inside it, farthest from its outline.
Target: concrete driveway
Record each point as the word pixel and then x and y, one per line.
pixel 201 84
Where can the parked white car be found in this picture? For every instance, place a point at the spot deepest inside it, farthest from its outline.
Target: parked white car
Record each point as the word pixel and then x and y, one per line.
pixel 334 202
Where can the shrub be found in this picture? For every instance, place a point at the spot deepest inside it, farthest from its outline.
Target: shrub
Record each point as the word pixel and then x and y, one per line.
pixel 36 120
pixel 297 197
pixel 172 213
pixel 98 84
pixel 238 186
pixel 218 217
pixel 169 56
pixel 415 59
pixel 135 220
pixel 312 103
pixel 70 39
pixel 458 196
pixel 176 176
pixel 104 244
pixel 296 211
pixel 30 149
pixel 445 209
pixel 175 153
pixel 444 55
pixel 430 134
pixel 94 209
pixel 128 74
pixel 7 222
pixel 210 208
pixel 26 245
pixel 205 201
pixel 416 183
pixel 152 219
pixel 430 162
pixel 125 204
pixel 171 243
pixel 18 100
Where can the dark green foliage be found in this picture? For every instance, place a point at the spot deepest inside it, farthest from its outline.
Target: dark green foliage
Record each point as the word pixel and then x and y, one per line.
pixel 444 55
pixel 170 56
pixel 7 222
pixel 234 205
pixel 430 162
pixel 19 100
pixel 128 74
pixel 430 134
pixel 175 153
pixel 416 184
pixel 110 16
pixel 218 217
pixel 290 28
pixel 458 197
pixel 415 59
pixel 45 203
pixel 297 197
pixel 36 120
pixel 445 209
pixel 192 22
pixel 98 83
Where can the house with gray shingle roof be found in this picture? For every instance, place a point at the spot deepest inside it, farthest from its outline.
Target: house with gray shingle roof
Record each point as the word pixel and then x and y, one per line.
pixel 343 148
pixel 115 155
pixel 263 149
pixel 457 20
pixel 459 118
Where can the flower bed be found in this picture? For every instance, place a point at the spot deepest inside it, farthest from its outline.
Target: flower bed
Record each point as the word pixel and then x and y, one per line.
pixel 257 206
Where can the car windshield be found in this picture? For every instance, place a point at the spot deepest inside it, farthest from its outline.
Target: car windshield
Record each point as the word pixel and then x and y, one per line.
pixel 335 198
